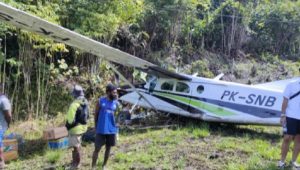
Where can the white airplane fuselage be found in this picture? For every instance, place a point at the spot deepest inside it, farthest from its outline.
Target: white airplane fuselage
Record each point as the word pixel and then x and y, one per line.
pixel 212 100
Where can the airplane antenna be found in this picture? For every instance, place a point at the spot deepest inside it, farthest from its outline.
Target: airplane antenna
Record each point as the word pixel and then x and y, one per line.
pixel 218 77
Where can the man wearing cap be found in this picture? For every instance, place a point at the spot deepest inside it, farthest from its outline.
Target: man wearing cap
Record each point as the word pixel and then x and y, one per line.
pixel 105 124
pixel 75 132
pixel 5 119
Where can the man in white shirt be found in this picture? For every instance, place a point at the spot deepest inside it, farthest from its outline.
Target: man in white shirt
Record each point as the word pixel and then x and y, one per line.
pixel 290 118
pixel 5 119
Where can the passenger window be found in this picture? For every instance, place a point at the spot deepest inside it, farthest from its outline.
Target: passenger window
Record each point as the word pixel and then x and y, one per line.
pixel 200 89
pixel 182 87
pixel 167 85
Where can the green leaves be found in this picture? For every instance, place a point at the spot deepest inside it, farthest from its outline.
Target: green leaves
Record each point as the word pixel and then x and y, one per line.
pixel 62 64
pixel 100 19
pixel 14 62
pixel 63 70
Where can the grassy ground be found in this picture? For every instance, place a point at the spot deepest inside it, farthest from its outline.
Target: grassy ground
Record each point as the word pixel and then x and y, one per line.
pixel 187 145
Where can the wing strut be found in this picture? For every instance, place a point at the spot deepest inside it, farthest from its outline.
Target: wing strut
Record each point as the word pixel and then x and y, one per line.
pixel 132 86
pixel 133 107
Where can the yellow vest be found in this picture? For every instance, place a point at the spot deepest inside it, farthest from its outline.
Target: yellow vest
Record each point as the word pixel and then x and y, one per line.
pixel 79 129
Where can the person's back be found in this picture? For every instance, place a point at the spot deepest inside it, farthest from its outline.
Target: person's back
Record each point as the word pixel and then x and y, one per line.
pixel 293 106
pixel 78 128
pixel 4 105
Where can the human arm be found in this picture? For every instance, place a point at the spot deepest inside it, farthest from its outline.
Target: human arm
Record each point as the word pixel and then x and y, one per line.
pixel 8 116
pixel 7 111
pixel 283 111
pixel 96 114
pixel 286 95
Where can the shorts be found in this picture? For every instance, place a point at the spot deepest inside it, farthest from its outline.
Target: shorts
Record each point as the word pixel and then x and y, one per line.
pixel 105 139
pixel 74 140
pixel 293 126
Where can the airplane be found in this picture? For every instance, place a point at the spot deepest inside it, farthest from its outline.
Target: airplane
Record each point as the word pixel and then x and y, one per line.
pixel 181 94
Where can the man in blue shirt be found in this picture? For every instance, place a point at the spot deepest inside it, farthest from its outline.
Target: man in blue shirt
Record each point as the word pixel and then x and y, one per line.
pixel 105 124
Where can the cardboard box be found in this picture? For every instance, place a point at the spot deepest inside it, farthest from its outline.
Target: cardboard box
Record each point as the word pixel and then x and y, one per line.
pixel 11 155
pixel 59 143
pixel 10 149
pixel 55 133
pixel 10 145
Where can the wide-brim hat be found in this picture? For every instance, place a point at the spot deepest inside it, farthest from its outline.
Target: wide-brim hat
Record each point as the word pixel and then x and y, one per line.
pixel 77 91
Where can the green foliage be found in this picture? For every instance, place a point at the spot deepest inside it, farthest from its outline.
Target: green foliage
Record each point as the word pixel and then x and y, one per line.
pixel 276 27
pixel 53 156
pixel 4 28
pixel 13 62
pixel 202 68
pixel 100 19
pixel 199 131
pixel 59 102
pixel 242 70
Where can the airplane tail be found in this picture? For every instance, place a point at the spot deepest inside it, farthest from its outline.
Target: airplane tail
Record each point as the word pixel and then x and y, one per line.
pixel 276 85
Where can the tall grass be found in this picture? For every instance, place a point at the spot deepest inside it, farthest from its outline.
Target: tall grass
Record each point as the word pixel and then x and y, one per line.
pixel 53 156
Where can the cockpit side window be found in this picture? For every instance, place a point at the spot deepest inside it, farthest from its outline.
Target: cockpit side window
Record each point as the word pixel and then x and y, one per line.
pixel 168 85
pixel 182 87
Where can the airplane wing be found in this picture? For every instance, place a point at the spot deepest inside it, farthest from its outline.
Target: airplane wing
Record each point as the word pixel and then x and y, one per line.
pixel 276 85
pixel 160 72
pixel 35 24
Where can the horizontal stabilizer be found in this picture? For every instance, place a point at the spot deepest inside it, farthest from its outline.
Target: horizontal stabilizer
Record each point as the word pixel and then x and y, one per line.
pixel 276 85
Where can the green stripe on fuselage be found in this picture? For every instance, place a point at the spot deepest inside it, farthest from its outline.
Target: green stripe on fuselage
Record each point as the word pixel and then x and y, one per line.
pixel 197 104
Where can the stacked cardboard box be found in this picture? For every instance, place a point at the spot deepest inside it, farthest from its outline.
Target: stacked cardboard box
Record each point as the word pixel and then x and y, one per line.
pixel 56 137
pixel 61 143
pixel 10 148
pixel 55 133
